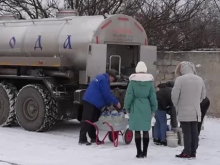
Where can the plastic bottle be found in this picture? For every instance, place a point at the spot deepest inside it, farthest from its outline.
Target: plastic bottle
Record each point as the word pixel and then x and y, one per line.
pixel 119 118
pixel 108 117
pixel 115 117
pixel 122 116
pixel 102 117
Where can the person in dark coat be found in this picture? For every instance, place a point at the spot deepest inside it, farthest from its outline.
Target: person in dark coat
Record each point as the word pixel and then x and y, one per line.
pixel 97 95
pixel 164 105
pixel 204 107
pixel 172 112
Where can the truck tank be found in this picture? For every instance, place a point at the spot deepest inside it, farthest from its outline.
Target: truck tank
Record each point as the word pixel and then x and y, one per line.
pixel 63 42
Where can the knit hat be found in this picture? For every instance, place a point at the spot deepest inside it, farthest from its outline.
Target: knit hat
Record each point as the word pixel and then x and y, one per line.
pixel 141 67
pixel 170 84
pixel 162 85
pixel 112 73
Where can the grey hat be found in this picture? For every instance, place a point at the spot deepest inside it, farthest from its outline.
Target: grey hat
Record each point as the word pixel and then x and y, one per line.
pixel 170 84
pixel 112 73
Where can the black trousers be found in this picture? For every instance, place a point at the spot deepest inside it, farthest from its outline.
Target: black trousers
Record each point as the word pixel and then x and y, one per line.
pixel 173 119
pixel 190 135
pixel 91 113
pixel 204 108
pixel 200 123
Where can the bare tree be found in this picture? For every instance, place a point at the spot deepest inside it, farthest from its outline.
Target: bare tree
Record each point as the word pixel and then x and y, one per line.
pixel 170 24
pixel 30 8
pixel 94 7
pixel 165 21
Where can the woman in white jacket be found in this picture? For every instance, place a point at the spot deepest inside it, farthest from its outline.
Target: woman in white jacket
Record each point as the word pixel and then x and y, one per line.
pixel 187 94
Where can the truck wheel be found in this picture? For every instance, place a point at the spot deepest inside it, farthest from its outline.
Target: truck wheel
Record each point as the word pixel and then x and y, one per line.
pixel 8 95
pixel 36 110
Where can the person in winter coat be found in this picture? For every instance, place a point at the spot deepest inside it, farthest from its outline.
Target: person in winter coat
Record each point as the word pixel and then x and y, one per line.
pixel 204 107
pixel 187 94
pixel 172 112
pixel 164 105
pixel 141 103
pixel 97 95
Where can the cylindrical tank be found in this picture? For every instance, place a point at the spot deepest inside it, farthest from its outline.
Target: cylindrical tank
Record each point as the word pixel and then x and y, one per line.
pixel 67 38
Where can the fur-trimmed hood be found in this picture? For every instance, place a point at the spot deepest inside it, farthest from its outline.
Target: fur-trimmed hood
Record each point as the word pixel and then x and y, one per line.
pixel 141 77
pixel 185 67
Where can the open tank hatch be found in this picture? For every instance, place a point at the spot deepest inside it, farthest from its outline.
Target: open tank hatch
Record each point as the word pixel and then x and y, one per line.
pixel 123 58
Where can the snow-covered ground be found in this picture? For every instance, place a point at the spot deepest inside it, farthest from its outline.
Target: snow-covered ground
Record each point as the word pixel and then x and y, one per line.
pixel 60 147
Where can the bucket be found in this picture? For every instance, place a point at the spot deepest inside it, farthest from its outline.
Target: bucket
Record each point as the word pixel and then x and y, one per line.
pixel 171 134
pixel 172 139
pixel 172 142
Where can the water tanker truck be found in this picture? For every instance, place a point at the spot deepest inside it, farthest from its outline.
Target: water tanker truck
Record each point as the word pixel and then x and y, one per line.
pixel 47 64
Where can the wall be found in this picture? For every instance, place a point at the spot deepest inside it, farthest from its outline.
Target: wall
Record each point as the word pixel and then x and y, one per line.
pixel 209 71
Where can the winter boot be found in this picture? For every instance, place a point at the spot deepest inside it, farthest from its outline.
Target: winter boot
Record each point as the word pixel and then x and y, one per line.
pixel 83 139
pixel 85 143
pixel 94 141
pixel 193 155
pixel 157 141
pixel 145 146
pixel 182 155
pixel 163 143
pixel 138 146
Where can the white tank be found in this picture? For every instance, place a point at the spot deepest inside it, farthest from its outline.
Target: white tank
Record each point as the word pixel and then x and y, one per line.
pixel 65 39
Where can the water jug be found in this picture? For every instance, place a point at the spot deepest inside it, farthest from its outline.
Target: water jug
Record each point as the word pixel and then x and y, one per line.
pixel 102 117
pixel 121 116
pixel 115 117
pixel 108 117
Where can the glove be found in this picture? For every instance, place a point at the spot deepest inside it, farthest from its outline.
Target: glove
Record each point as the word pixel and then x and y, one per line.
pixel 104 109
pixel 177 129
pixel 169 112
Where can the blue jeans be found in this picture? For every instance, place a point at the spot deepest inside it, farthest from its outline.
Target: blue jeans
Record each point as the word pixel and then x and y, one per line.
pixel 160 126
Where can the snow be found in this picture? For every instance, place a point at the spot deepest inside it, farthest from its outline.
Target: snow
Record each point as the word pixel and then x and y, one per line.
pixel 60 146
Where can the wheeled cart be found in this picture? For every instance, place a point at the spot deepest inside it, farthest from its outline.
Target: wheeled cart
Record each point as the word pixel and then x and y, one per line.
pixel 113 131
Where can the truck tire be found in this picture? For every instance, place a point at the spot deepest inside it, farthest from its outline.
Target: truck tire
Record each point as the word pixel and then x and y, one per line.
pixel 8 95
pixel 36 110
